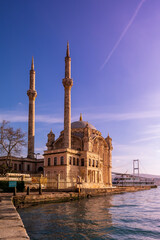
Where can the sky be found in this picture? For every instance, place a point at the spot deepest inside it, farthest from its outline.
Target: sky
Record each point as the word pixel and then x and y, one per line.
pixel 115 53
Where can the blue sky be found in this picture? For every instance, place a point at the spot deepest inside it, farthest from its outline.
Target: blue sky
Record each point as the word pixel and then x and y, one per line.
pixel 115 52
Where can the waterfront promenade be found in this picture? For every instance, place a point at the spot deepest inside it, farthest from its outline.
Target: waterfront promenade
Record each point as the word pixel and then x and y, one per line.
pixel 11 225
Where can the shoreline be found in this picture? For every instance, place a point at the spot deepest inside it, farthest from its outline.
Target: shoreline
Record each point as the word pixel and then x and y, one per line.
pixel 11 224
pixel 23 200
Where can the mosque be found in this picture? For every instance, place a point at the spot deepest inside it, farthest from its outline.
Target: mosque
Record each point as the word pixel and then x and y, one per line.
pixel 80 154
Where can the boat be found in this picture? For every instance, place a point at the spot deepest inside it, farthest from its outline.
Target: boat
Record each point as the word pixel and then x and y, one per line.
pixel 126 180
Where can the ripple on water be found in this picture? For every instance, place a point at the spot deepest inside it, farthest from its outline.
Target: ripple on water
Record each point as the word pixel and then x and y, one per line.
pixel 125 216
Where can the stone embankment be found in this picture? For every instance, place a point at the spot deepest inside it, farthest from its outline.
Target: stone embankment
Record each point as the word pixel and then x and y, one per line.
pixel 23 200
pixel 11 225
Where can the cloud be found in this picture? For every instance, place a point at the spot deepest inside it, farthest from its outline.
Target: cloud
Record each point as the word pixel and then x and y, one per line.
pixel 153 129
pixel 124 116
pixel 123 34
pixel 40 149
pixel 124 154
pixel 15 116
pixel 146 139
pixel 151 132
pixel 48 119
pixel 20 104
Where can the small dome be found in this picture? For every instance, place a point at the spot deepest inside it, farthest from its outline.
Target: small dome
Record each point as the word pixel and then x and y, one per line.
pixel 81 124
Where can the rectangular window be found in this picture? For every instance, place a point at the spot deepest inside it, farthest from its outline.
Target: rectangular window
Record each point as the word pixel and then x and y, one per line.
pixel 89 162
pixel 93 163
pixel 70 160
pixel 82 161
pixel 28 167
pixel 74 161
pixel 77 161
pixel 49 162
pixel 55 161
pixel 62 160
pixel 20 167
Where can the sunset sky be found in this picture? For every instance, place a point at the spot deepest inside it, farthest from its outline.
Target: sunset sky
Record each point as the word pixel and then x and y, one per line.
pixel 115 53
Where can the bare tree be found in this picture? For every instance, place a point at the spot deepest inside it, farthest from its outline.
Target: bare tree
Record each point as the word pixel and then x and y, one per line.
pixel 11 141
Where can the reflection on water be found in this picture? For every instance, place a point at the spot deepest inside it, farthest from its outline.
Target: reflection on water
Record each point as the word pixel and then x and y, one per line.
pixel 123 216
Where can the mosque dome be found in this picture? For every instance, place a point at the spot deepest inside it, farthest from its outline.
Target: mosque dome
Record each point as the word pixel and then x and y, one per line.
pixel 81 124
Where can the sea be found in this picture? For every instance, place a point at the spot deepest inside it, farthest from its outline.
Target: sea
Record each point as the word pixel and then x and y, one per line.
pixel 127 216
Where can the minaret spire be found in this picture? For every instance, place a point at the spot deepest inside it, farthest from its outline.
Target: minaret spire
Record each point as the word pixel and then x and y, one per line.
pixel 67 51
pixel 67 63
pixel 32 94
pixel 67 83
pixel 32 65
pixel 80 119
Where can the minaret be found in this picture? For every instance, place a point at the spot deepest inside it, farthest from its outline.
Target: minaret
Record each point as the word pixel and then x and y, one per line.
pixel 32 94
pixel 80 119
pixel 67 83
pixel 108 163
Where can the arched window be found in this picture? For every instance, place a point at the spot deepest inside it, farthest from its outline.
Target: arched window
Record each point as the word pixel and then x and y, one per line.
pixel 96 163
pixel 40 169
pixel 74 161
pixel 70 160
pixel 82 161
pixel 49 162
pixel 15 166
pixel 55 161
pixel 28 167
pixel 20 167
pixel 77 161
pixel 93 163
pixel 62 160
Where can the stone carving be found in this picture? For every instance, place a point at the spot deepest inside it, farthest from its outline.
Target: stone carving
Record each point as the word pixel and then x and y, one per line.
pixel 51 140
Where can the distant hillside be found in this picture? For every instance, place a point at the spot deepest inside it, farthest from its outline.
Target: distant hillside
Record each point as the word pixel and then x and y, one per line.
pixel 155 177
pixel 149 175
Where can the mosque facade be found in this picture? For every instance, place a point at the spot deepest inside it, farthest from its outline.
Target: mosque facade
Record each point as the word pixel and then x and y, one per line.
pixel 80 154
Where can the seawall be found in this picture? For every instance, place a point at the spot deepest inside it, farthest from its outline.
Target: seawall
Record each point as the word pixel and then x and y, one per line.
pixel 11 225
pixel 24 200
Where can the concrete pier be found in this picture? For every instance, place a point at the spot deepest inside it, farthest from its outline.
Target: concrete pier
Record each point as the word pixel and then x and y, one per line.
pixel 11 225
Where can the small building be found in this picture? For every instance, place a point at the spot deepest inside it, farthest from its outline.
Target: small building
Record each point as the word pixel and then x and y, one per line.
pixel 80 154
pixel 24 165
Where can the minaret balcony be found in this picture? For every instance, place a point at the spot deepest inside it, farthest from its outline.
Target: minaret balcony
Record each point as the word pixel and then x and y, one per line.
pixel 67 82
pixel 32 94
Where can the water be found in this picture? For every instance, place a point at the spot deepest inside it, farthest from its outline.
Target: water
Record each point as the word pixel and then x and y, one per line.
pixel 123 216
